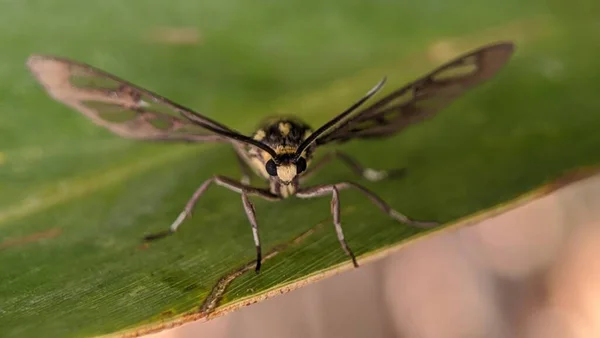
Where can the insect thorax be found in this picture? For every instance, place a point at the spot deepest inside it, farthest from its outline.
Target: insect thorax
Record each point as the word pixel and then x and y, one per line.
pixel 282 134
pixel 278 130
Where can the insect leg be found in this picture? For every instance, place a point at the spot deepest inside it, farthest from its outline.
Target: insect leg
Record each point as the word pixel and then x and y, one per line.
pixel 219 180
pixel 367 173
pixel 322 190
pixel 250 212
pixel 335 211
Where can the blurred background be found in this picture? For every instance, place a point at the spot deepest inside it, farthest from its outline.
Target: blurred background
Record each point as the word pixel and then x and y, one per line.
pixel 75 200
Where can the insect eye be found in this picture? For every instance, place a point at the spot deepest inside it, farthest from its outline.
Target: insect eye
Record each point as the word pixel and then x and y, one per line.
pixel 271 167
pixel 300 165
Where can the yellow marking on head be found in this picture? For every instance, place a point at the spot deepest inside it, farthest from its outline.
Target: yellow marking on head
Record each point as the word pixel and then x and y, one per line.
pixel 307 133
pixel 266 156
pixel 279 150
pixel 259 135
pixel 284 128
pixel 286 173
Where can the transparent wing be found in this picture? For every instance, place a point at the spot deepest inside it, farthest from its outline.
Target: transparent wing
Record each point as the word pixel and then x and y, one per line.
pixel 424 97
pixel 119 106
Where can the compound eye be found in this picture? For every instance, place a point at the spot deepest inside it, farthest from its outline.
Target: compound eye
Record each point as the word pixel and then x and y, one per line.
pixel 271 167
pixel 300 165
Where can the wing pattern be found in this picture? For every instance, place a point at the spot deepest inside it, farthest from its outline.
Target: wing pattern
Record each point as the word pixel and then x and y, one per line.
pixel 422 98
pixel 121 107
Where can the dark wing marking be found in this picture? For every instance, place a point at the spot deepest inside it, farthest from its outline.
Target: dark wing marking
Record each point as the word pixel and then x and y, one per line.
pixel 424 97
pixel 121 107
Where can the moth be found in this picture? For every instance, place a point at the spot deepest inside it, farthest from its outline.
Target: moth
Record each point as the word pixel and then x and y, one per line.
pixel 281 150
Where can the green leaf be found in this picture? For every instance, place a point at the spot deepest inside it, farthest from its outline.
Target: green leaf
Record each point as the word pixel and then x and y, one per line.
pixel 75 201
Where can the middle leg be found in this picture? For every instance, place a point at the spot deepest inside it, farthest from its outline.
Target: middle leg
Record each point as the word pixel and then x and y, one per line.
pixel 333 189
pixel 367 173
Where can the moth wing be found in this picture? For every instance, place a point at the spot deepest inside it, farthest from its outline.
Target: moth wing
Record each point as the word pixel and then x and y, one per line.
pixel 424 97
pixel 117 105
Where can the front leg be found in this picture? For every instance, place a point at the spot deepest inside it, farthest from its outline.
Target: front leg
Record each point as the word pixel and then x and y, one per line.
pixel 250 213
pixel 244 190
pixel 335 212
pixel 333 189
pixel 367 173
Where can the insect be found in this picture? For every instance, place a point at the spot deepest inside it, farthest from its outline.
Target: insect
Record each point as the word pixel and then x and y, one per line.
pixel 282 149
